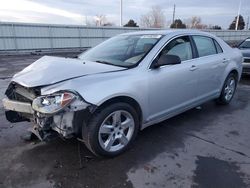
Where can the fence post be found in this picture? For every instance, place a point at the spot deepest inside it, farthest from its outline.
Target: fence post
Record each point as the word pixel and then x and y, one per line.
pixel 1 35
pixel 50 38
pixel 87 34
pixel 80 37
pixel 14 35
pixel 103 34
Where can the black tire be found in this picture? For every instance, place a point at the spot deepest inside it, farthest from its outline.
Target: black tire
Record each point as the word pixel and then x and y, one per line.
pixel 223 100
pixel 93 127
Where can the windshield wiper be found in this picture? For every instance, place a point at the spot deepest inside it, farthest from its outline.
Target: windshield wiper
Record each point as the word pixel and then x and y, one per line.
pixel 104 62
pixel 108 63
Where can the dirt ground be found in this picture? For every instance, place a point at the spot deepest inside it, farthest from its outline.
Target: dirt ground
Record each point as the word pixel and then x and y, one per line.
pixel 204 147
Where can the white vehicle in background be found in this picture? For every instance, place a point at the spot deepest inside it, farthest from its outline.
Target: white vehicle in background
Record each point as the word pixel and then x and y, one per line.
pixel 127 83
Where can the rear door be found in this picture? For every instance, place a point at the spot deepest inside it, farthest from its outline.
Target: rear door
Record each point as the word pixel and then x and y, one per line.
pixel 211 63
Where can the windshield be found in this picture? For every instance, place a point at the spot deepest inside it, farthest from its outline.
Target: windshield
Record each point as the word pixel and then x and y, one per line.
pixel 245 44
pixel 123 50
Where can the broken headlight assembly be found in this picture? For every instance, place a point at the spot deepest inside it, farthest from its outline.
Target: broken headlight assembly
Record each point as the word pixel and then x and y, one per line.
pixel 51 104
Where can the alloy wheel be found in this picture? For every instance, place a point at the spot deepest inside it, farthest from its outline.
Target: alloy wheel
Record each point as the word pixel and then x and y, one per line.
pixel 229 88
pixel 116 131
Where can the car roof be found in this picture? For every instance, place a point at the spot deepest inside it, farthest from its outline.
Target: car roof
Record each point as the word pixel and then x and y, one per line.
pixel 169 31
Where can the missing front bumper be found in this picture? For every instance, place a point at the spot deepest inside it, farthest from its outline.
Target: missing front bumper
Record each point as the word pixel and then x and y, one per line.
pixel 67 122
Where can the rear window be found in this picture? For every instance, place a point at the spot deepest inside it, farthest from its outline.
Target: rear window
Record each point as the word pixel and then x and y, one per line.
pixel 205 46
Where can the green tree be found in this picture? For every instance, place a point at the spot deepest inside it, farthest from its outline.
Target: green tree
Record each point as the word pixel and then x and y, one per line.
pixel 241 23
pixel 178 24
pixel 131 23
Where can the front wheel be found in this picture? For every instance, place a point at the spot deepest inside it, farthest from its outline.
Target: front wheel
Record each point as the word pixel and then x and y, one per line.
pixel 228 89
pixel 112 129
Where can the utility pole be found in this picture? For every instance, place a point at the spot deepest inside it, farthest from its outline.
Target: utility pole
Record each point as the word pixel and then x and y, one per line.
pixel 173 14
pixel 121 13
pixel 238 17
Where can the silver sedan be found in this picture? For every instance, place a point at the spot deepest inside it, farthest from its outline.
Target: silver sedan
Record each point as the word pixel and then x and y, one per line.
pixel 129 82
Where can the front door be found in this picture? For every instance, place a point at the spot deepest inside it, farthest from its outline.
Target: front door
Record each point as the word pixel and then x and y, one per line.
pixel 173 87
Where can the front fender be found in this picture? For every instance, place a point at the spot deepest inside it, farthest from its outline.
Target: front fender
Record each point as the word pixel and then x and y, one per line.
pixel 98 89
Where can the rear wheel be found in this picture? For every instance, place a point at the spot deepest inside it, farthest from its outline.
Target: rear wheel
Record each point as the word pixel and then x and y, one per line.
pixel 228 89
pixel 112 129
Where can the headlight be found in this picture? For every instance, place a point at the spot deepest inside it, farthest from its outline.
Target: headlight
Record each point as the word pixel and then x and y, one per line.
pixel 51 104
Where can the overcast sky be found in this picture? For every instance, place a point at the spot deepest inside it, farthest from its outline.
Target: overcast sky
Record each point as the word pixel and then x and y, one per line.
pixel 216 12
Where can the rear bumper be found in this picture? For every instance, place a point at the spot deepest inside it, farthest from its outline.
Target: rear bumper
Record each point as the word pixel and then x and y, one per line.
pixel 17 106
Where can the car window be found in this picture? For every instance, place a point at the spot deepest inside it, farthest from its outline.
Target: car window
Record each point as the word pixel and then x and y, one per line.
pixel 218 47
pixel 122 50
pixel 180 47
pixel 245 44
pixel 144 43
pixel 205 46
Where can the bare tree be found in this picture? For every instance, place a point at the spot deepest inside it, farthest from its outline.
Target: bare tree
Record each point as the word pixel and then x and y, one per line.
pixel 155 18
pixel 195 23
pixel 100 20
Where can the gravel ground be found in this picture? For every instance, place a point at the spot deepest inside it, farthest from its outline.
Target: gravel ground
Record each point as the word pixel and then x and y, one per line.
pixel 205 147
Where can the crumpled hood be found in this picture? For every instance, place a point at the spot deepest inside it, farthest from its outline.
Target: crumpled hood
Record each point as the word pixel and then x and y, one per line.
pixel 50 70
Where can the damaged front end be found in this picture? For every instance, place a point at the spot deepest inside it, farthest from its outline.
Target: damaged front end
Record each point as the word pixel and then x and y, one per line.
pixel 54 113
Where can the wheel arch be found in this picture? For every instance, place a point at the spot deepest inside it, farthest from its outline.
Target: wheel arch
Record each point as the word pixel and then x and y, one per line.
pixel 221 99
pixel 82 118
pixel 226 73
pixel 126 99
pixel 234 71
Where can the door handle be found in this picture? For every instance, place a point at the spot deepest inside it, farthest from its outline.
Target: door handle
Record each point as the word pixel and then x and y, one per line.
pixel 193 68
pixel 225 60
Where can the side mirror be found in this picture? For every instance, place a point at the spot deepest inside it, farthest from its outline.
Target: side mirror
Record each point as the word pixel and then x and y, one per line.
pixel 167 60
